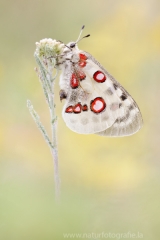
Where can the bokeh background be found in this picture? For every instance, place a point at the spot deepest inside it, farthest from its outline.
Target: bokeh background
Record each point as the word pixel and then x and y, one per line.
pixel 107 184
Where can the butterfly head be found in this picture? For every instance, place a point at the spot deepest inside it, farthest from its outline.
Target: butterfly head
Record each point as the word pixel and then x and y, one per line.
pixel 73 45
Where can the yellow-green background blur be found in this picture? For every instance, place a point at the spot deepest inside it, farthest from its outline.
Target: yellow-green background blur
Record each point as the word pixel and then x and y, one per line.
pixel 107 184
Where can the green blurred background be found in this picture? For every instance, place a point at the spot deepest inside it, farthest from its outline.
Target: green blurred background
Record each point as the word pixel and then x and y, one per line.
pixel 107 184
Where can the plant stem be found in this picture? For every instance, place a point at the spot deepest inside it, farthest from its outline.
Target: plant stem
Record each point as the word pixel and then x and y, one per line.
pixel 45 72
pixel 36 118
pixel 54 141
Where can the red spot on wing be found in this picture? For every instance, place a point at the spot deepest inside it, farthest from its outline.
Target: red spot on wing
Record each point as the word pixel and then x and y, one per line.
pixel 69 109
pixel 82 56
pixel 99 77
pixel 77 108
pixel 82 61
pixel 74 81
pixel 97 105
pixel 81 75
pixel 84 107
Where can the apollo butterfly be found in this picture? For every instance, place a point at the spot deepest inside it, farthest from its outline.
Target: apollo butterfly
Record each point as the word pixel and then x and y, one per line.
pixel 94 101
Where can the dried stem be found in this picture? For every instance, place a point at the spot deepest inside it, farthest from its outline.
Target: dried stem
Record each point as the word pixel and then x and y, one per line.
pixel 45 71
pixel 39 124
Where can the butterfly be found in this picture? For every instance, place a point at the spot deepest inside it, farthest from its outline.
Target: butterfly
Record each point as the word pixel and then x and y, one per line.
pixel 95 103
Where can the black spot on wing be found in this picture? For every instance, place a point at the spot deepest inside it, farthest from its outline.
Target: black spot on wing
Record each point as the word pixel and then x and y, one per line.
pixel 123 97
pixel 131 107
pixel 115 86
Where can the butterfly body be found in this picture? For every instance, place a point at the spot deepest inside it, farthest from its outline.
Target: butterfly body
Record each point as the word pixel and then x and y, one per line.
pixel 94 101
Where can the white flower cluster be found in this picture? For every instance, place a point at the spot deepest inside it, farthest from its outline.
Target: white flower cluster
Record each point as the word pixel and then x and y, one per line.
pixel 48 47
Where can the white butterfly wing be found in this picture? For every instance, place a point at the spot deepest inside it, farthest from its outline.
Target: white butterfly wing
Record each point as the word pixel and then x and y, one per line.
pixel 96 102
pixel 129 119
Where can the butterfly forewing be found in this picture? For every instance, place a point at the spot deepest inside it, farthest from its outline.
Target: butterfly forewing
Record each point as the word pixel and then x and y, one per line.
pixel 129 119
pixel 96 102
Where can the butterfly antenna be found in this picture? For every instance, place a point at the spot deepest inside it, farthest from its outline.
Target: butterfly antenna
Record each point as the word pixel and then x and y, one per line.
pixel 80 33
pixel 83 37
pixel 79 39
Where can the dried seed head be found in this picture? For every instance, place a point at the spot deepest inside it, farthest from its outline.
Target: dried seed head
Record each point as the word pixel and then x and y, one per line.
pixel 48 48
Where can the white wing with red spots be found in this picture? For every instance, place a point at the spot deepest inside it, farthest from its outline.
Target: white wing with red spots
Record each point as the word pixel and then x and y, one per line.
pixel 129 120
pixel 96 102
